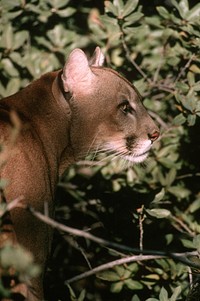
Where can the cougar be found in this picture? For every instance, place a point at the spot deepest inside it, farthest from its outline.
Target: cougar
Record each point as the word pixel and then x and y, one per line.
pixel 64 116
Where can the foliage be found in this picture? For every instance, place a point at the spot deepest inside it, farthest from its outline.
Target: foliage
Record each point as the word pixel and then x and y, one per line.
pixel 155 206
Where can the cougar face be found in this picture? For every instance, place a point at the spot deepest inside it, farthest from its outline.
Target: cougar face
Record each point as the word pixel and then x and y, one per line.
pixel 110 117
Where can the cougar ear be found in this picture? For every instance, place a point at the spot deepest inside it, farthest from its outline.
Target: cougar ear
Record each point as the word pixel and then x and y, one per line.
pixel 98 58
pixel 77 75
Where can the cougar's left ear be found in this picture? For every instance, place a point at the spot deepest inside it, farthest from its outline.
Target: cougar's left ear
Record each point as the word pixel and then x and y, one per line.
pixel 98 58
pixel 77 75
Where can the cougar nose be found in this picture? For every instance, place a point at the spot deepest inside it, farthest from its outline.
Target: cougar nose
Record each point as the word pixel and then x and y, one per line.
pixel 154 136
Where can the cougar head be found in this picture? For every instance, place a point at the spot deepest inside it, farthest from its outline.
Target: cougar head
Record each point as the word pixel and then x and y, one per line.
pixel 107 114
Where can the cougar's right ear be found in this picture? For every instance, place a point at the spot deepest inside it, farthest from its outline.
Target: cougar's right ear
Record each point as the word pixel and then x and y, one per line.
pixel 98 58
pixel 77 75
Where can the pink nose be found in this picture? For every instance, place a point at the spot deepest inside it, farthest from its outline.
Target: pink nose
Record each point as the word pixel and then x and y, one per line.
pixel 154 136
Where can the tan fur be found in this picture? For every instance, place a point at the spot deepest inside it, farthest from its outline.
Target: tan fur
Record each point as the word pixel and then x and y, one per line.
pixel 63 118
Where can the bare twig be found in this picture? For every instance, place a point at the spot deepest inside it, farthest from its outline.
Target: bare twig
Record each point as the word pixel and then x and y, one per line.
pixel 16 203
pixel 112 264
pixel 184 68
pixel 159 120
pixel 183 225
pixel 182 257
pixel 131 60
pixel 141 219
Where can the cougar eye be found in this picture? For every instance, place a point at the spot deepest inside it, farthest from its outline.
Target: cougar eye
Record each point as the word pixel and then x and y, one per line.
pixel 125 107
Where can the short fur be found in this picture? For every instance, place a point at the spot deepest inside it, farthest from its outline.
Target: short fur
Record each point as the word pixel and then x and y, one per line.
pixel 64 116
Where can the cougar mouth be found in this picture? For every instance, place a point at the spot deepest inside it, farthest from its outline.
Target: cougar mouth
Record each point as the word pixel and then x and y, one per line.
pixel 137 158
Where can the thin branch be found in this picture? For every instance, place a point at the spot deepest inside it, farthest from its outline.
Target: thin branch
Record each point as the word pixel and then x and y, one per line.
pixel 131 60
pixel 129 259
pixel 112 264
pixel 182 257
pixel 16 203
pixel 159 120
pixel 183 225
pixel 81 233
pixel 184 68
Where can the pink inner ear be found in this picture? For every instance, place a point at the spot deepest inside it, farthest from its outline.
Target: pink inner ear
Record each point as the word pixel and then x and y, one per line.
pixel 77 75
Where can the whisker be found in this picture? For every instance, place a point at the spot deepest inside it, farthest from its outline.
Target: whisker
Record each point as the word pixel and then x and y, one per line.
pixel 92 143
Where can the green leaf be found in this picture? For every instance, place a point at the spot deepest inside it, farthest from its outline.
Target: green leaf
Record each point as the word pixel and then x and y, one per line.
pixel 129 7
pixel 176 294
pixel 133 18
pixel 66 12
pixel 72 294
pixel 191 119
pixel 159 213
pixel 194 13
pixel 179 119
pixel 196 242
pixel 9 67
pixel 187 243
pixel 163 296
pixel 182 7
pixel 82 295
pixel 133 284
pixel 182 86
pixel 19 39
pixel 171 176
pixel 159 196
pixel 109 276
pixel 135 298
pixel 13 86
pixel 58 3
pixel 109 7
pixel 7 37
pixel 120 7
pixel 179 192
pixel 117 287
pixel 163 12
pixel 194 206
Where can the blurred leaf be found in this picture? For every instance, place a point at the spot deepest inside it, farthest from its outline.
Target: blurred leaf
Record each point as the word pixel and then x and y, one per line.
pixel 109 276
pixel 195 205
pixel 176 294
pixel 182 7
pixel 187 243
pixel 191 119
pixel 19 39
pixel 179 119
pixel 9 67
pixel 159 213
pixel 133 18
pixel 66 12
pixel 129 7
pixel 163 12
pixel 58 3
pixel 194 13
pixel 110 7
pixel 7 37
pixel 117 287
pixel 196 242
pixel 159 196
pixel 133 284
pixel 135 298
pixel 163 296
pixel 179 192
